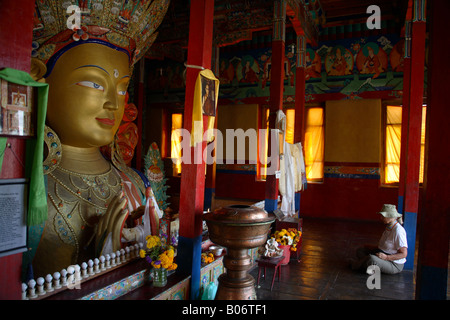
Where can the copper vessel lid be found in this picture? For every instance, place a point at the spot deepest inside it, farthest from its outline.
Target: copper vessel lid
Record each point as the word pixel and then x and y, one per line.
pixel 239 214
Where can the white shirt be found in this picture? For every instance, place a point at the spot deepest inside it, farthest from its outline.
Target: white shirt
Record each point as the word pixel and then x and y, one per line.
pixel 392 240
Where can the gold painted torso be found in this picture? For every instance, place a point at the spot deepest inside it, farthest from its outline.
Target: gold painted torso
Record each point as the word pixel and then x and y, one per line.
pixel 75 204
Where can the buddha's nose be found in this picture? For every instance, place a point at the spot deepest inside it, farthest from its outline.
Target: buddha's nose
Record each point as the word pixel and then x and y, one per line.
pixel 112 102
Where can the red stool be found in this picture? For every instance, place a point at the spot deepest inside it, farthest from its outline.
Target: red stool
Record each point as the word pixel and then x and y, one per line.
pixel 274 263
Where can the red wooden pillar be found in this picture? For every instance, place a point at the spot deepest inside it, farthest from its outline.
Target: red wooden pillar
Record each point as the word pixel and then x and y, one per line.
pixel 414 128
pixel 276 94
pixel 16 33
pixel 210 184
pixel 432 266
pixel 193 174
pixel 299 128
pixel 405 117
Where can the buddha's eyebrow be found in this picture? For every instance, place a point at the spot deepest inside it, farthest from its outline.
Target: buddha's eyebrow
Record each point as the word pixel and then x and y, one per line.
pixel 93 66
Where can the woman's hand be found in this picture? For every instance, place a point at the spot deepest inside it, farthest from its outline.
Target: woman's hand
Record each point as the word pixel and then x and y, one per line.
pixel 381 255
pixel 401 253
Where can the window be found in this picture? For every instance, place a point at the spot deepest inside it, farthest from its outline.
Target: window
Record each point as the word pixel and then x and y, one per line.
pixel 290 125
pixel 175 146
pixel 393 144
pixel 422 143
pixel 314 144
pixel 393 129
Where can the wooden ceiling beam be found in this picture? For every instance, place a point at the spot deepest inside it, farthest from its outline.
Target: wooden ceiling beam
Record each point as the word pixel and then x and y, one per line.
pixel 301 21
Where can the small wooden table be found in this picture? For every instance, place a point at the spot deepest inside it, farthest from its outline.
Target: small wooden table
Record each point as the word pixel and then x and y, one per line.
pixel 274 263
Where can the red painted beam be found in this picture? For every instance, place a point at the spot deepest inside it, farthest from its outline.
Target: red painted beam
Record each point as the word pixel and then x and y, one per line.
pixel 415 116
pixel 276 94
pixel 299 104
pixel 404 132
pixel 193 175
pixel 434 225
pixel 16 31
pixel 276 103
pixel 301 21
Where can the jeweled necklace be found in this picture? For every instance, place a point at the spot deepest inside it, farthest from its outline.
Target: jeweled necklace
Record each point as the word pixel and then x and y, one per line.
pixel 79 200
pixel 93 189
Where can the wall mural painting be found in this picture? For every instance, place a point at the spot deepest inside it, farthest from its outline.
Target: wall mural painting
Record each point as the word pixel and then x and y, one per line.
pixel 370 67
pixel 358 68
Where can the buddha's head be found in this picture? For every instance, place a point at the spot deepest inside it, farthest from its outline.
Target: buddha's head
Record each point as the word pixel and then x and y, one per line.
pixel 88 62
pixel 88 84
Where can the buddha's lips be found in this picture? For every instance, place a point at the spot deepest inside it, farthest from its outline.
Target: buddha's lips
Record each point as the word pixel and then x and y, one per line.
pixel 107 121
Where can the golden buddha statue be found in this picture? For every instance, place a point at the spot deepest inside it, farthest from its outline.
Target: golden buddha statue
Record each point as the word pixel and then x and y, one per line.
pixel 95 204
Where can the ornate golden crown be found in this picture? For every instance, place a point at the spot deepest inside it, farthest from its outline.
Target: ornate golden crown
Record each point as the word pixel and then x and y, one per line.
pixel 129 25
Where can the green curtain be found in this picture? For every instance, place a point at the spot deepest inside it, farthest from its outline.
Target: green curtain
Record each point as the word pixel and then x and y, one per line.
pixel 37 199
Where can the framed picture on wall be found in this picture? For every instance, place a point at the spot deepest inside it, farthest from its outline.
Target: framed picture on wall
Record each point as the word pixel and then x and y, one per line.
pixel 17 110
pixel 13 216
pixel 208 96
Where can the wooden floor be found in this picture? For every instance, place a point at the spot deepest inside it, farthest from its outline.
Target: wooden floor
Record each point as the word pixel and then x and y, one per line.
pixel 323 272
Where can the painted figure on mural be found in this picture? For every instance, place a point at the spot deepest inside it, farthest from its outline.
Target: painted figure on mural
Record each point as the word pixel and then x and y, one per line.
pixel 226 72
pixel 371 59
pixel 176 79
pixel 250 70
pixel 96 203
pixel 339 62
pixel 312 65
pixel 397 56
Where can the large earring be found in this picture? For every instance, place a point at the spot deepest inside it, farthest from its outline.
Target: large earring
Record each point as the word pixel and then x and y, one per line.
pixel 53 152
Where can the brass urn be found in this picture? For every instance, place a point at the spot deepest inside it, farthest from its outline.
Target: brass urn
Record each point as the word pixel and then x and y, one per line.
pixel 238 228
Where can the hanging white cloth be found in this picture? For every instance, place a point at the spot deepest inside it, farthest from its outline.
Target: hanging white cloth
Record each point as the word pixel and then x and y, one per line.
pixel 280 122
pixel 300 171
pixel 295 153
pixel 302 166
pixel 287 181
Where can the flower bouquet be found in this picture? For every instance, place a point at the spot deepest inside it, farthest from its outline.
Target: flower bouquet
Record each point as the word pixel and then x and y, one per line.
pixel 296 236
pixel 207 257
pixel 160 257
pixel 287 241
pixel 289 237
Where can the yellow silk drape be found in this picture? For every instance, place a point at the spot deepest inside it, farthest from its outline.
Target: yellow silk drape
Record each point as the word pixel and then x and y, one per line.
pixel 314 144
pixel 393 144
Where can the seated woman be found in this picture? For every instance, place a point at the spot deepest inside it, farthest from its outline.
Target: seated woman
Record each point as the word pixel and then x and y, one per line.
pixel 390 255
pixel 95 204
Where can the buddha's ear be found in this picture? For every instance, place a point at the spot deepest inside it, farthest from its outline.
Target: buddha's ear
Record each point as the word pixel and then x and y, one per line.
pixel 37 70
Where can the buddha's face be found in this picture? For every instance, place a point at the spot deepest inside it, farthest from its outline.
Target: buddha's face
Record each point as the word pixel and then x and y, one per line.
pixel 87 88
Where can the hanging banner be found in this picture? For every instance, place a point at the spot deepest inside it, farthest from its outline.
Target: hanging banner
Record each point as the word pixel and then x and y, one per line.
pixel 205 103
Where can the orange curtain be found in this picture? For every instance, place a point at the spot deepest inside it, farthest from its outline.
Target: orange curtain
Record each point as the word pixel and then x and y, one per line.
pixel 393 144
pixel 290 123
pixel 314 144
pixel 175 149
